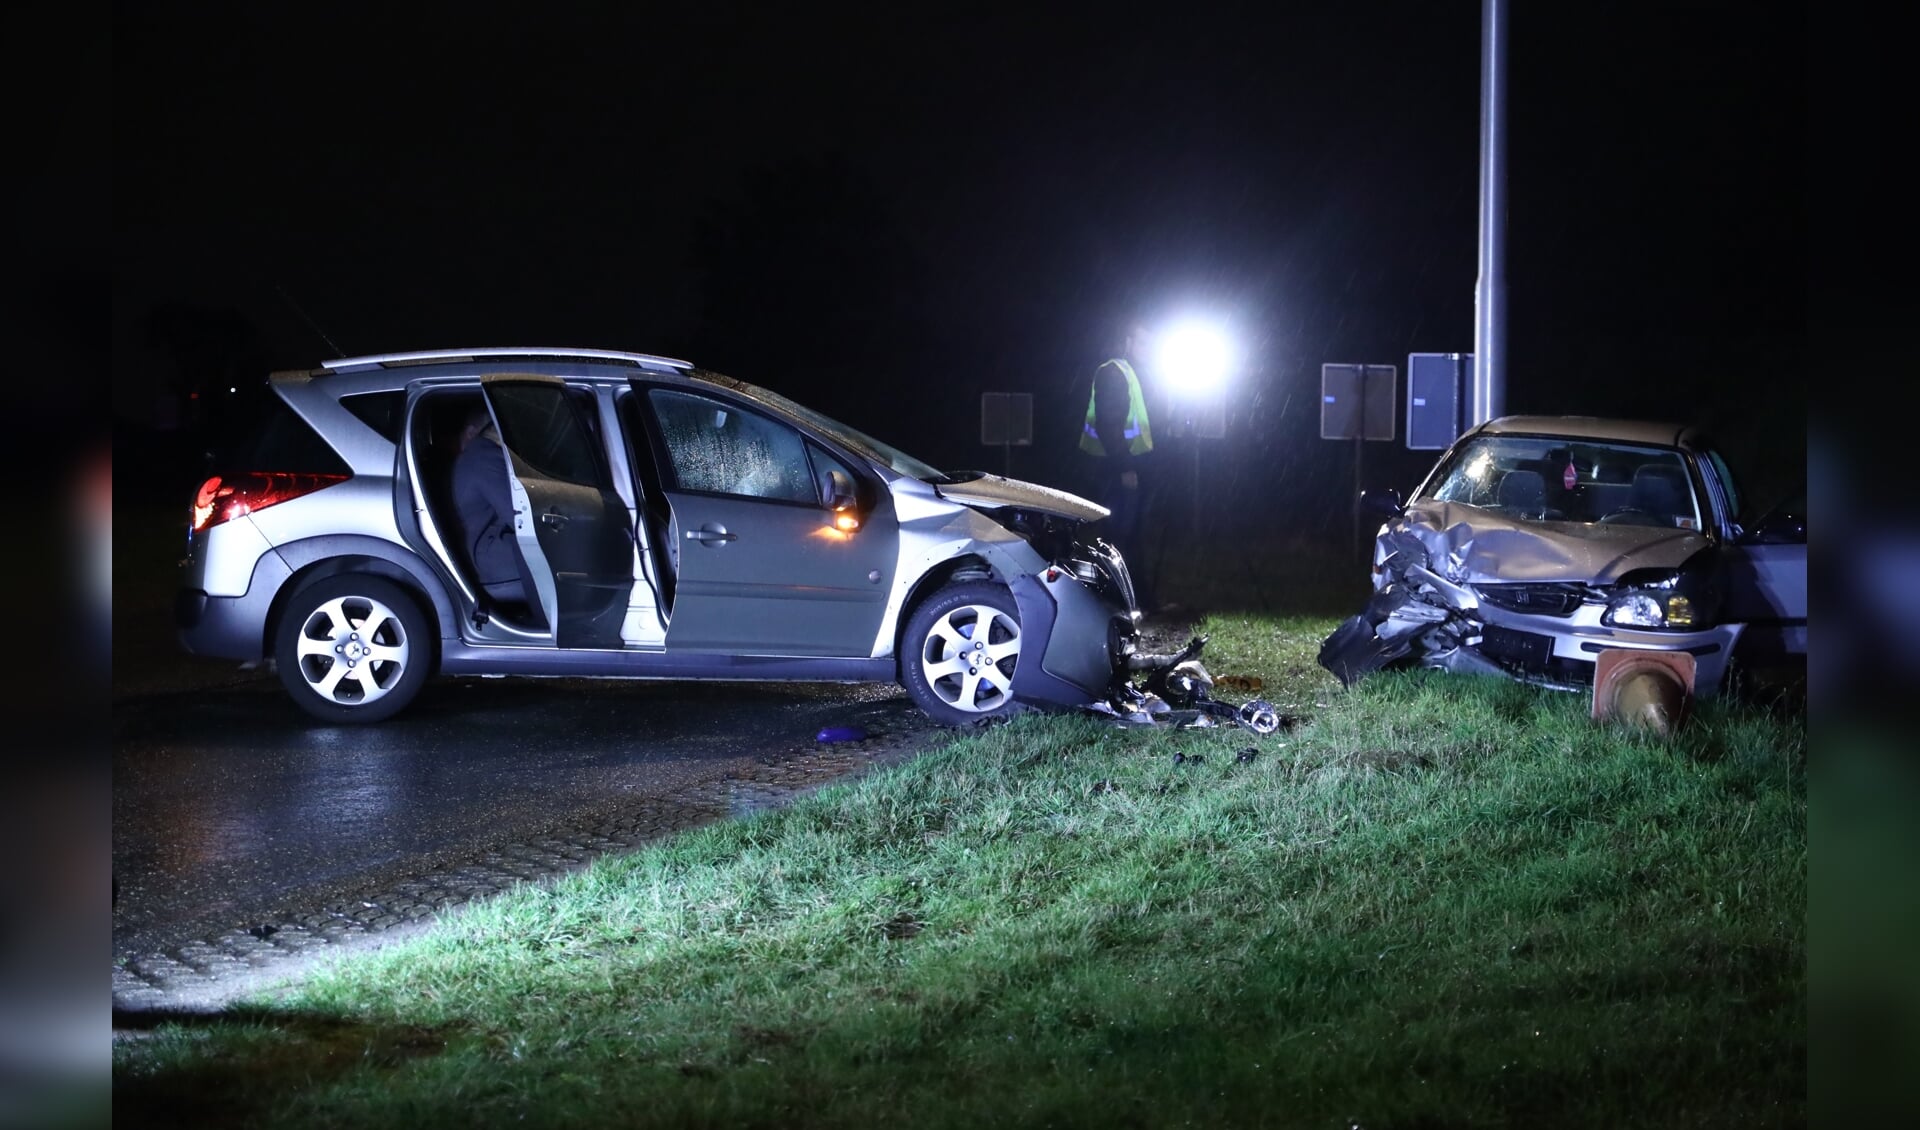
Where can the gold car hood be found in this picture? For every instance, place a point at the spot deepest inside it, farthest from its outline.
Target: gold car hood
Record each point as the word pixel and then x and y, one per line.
pixel 1471 545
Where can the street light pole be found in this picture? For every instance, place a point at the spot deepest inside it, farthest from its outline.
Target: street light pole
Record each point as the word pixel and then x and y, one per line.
pixel 1490 293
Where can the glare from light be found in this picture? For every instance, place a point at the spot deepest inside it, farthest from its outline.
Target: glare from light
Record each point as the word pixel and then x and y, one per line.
pixel 1195 358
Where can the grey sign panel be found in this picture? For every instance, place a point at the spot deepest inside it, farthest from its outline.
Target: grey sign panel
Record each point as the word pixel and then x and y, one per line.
pixel 1357 402
pixel 1006 419
pixel 1437 385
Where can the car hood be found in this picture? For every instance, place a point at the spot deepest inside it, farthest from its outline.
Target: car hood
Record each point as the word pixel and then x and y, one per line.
pixel 1467 544
pixel 991 492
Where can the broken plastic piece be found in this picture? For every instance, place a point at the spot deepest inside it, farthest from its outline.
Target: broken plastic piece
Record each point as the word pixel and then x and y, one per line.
pixel 1259 716
pixel 841 734
pixel 1178 678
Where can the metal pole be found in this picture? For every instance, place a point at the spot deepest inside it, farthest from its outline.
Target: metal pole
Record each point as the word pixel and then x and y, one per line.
pixel 1490 294
pixel 1358 442
pixel 1460 391
pixel 1193 438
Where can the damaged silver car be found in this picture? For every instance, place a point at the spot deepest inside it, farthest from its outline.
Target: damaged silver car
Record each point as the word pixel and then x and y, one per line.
pixel 1538 543
pixel 669 523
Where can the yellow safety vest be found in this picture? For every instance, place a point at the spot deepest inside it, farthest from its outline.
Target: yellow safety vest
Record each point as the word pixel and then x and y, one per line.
pixel 1139 434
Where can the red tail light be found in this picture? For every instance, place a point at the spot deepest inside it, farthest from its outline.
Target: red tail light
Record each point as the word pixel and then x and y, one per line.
pixel 223 497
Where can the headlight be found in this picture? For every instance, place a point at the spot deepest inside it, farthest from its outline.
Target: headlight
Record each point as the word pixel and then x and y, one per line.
pixel 1646 610
pixel 1662 603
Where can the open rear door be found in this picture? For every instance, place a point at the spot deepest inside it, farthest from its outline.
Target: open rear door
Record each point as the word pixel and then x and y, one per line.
pixel 572 526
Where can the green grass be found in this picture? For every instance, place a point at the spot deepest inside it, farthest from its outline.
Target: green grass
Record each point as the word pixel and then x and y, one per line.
pixel 1438 901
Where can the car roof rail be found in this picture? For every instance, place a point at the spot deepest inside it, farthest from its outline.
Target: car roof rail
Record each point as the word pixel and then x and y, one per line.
pixel 541 353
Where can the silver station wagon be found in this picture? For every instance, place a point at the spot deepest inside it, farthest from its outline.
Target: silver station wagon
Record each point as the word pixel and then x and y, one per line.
pixel 665 522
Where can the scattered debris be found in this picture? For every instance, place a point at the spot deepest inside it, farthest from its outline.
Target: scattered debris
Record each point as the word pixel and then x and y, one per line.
pixel 1189 759
pixel 842 734
pixel 1246 756
pixel 1176 689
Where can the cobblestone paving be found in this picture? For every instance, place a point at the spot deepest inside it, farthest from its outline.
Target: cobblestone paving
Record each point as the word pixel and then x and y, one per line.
pixel 204 973
pixel 275 949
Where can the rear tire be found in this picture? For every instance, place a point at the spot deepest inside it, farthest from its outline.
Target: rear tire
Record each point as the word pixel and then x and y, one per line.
pixel 353 648
pixel 959 653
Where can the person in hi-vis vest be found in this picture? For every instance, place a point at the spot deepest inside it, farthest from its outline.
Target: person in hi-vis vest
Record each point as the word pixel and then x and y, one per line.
pixel 1116 445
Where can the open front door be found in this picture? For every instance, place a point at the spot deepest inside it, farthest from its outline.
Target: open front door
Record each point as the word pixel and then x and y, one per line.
pixel 571 525
pixel 763 567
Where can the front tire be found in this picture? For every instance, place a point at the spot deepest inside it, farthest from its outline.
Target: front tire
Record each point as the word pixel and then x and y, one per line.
pixel 960 651
pixel 353 648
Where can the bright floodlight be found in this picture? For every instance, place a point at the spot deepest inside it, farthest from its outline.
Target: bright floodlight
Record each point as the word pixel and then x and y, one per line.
pixel 1194 358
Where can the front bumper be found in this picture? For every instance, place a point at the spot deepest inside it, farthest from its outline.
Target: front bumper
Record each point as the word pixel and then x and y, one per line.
pixel 1080 639
pixel 1560 651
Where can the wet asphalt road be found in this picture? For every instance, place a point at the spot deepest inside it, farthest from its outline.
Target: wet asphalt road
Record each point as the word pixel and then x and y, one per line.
pixel 229 804
pixel 233 810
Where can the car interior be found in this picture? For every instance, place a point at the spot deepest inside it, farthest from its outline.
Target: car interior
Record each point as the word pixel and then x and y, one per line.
pixel 1660 492
pixel 1523 492
pixel 437 425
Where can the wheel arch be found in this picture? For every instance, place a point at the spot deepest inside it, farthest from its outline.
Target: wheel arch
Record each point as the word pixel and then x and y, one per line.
pixel 958 570
pixel 317 559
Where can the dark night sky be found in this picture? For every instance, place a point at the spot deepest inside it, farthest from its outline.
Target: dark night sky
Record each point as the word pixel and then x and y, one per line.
pixel 884 212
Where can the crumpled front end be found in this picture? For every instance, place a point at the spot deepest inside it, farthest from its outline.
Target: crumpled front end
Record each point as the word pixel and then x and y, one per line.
pixel 1538 605
pixel 1078 616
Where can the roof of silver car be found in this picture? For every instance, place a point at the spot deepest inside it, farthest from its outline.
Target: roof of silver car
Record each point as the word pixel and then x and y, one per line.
pixel 1591 427
pixel 445 356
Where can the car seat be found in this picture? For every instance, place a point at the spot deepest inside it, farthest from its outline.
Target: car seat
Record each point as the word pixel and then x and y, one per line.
pixel 1525 493
pixel 1661 491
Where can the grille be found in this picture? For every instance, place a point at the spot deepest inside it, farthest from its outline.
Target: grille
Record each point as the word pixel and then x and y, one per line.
pixel 1535 599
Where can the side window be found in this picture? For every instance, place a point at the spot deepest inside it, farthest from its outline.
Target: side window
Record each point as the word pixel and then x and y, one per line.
pixel 715 447
pixel 1736 506
pixel 378 410
pixel 824 462
pixel 554 429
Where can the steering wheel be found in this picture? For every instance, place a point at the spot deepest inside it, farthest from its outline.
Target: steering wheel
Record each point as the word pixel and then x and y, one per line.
pixel 1624 513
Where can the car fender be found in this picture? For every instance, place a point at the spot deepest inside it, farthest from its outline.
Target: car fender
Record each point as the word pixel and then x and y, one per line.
pixel 315 557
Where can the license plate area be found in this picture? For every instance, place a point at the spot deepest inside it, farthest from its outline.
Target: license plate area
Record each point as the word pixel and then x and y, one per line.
pixel 1525 649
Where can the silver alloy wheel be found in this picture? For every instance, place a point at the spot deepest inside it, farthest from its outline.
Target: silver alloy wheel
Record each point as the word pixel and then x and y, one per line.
pixel 352 650
pixel 968 658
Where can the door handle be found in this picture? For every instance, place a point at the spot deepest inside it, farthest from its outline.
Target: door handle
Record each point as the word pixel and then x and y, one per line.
pixel 553 520
pixel 710 533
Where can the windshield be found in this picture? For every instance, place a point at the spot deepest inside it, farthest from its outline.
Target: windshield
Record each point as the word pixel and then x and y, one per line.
pixel 1555 479
pixel 851 437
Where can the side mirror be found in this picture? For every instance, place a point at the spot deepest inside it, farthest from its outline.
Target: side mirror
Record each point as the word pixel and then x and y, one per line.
pixel 1779 526
pixel 1382 503
pixel 836 491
